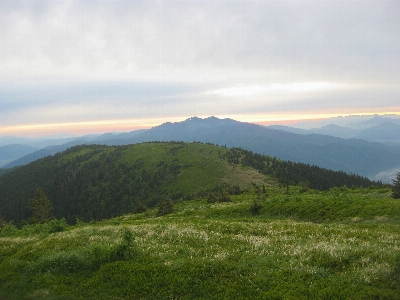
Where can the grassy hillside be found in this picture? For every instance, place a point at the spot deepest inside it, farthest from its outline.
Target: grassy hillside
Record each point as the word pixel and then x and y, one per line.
pixel 95 182
pixel 309 244
pixel 99 182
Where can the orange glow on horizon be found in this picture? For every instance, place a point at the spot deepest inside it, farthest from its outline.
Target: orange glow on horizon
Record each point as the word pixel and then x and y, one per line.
pixel 91 127
pixel 82 128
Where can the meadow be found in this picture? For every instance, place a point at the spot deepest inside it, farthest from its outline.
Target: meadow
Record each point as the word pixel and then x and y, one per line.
pixel 301 244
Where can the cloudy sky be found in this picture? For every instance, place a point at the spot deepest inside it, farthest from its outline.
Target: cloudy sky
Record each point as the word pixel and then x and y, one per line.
pixel 87 66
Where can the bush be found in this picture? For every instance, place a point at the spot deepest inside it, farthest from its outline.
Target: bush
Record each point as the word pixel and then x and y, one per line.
pixel 90 259
pixel 124 250
pixel 2 223
pixel 52 226
pixel 140 208
pixel 224 197
pixel 56 225
pixel 212 198
pixel 165 207
pixel 61 263
pixel 255 207
pixel 9 229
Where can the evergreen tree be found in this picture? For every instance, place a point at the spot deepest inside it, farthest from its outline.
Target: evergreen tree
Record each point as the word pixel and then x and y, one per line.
pixel 396 187
pixel 42 207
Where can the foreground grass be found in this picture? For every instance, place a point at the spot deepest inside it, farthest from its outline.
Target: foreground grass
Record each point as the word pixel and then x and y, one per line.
pixel 333 245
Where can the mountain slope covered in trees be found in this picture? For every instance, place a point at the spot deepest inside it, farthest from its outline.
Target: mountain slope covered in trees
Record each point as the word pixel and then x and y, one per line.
pixel 95 182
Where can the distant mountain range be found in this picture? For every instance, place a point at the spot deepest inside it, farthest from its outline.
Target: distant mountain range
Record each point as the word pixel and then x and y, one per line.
pixel 385 130
pixel 8 153
pixel 330 146
pixel 354 121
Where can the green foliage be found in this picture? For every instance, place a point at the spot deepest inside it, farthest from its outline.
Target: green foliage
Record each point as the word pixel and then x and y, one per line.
pixel 55 225
pixel 291 173
pixel 338 204
pixel 220 196
pixel 396 187
pixel 141 208
pixel 60 263
pixel 95 182
pixel 89 258
pixel 224 197
pixel 9 229
pixel 217 250
pixel 42 207
pixel 124 250
pixel 212 198
pixel 255 207
pixel 165 207
pixel 2 223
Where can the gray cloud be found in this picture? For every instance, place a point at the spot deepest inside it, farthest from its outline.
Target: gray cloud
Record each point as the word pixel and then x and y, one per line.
pixel 169 56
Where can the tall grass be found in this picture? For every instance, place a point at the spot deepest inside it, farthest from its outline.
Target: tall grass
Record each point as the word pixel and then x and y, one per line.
pixel 218 250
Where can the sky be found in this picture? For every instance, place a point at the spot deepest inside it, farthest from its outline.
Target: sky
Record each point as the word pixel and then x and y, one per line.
pixel 100 66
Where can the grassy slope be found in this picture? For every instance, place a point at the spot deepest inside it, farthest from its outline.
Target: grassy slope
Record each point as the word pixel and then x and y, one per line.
pixel 68 176
pixel 219 250
pixel 205 166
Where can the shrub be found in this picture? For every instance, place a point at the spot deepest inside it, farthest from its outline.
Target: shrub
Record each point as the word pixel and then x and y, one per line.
pixel 9 229
pixel 256 207
pixel 56 225
pixel 60 262
pixel 140 208
pixel 52 226
pixel 224 197
pixel 2 223
pixel 124 250
pixel 212 198
pixel 165 207
pixel 92 258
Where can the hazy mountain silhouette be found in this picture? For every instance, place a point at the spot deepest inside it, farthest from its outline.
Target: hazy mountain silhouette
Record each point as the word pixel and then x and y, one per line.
pixel 11 152
pixel 349 155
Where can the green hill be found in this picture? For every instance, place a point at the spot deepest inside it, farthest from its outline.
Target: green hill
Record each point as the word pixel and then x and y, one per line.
pixel 93 182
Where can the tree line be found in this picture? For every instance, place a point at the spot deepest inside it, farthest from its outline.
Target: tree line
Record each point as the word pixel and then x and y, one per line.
pixel 294 173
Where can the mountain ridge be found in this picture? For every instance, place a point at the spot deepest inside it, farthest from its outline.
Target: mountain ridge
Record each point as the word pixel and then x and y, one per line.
pixel 95 182
pixel 350 155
